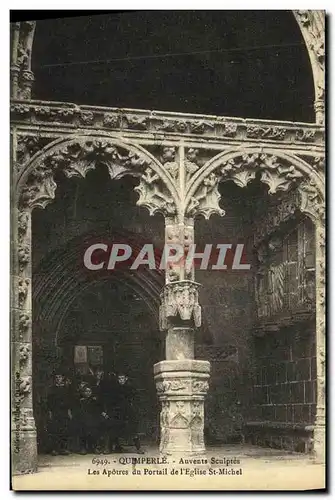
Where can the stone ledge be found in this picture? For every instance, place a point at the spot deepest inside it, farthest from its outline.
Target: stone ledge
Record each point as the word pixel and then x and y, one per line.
pixel 164 122
pixel 187 366
pixel 280 425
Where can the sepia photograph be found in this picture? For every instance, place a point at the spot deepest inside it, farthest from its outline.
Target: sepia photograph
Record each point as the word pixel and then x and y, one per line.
pixel 168 250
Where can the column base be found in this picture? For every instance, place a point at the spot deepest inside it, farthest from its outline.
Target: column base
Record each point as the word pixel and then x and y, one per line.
pixel 24 448
pixel 319 448
pixel 181 387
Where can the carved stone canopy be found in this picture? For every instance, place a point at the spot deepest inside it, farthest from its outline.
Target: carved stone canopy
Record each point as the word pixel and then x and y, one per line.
pixel 281 172
pixel 77 156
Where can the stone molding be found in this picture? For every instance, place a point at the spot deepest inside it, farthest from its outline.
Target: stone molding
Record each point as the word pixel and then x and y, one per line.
pixel 68 117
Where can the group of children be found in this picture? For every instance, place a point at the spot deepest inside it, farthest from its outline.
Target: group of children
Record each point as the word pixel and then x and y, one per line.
pixel 91 414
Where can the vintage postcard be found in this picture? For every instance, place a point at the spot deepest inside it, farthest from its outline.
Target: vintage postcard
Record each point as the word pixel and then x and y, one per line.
pixel 168 250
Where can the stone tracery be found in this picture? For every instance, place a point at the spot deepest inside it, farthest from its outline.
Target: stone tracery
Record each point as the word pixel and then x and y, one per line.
pixel 201 196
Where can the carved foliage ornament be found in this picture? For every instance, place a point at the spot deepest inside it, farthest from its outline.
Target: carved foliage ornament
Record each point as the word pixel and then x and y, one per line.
pixel 206 199
pixel 76 159
pixel 154 195
pixel 279 174
pixel 242 170
pixel 274 173
pixel 27 146
pixel 312 201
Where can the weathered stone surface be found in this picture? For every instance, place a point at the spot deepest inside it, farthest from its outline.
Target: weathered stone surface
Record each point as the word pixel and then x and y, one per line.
pixel 179 343
pixel 181 388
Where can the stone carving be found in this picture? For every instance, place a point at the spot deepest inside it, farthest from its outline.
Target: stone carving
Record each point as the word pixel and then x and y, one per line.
pixel 206 199
pixel 229 129
pixel 23 218
pixel 173 385
pixel 178 421
pixel 279 175
pixel 182 415
pixel 22 76
pixel 174 126
pixel 24 353
pixel 305 135
pixel 311 200
pixel 86 117
pixel 168 160
pixel 201 126
pixel 74 116
pixel 111 120
pixel 136 122
pixel 257 132
pixel 180 300
pixel 20 109
pixel 27 422
pixel 179 234
pixel 196 407
pixel 274 173
pixel 25 386
pixel 312 24
pixel 154 195
pixel 39 189
pixel 191 165
pixel 27 79
pixel 164 424
pixel 27 146
pixel 319 163
pixel 24 323
pixel 76 159
pixel 200 386
pixel 23 290
pixel 23 255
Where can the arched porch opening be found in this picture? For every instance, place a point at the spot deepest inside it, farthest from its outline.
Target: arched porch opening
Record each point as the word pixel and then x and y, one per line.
pixel 262 320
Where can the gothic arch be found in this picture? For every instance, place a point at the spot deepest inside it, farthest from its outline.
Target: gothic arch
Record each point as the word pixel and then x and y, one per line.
pixel 311 24
pixel 61 277
pixel 280 170
pixel 77 154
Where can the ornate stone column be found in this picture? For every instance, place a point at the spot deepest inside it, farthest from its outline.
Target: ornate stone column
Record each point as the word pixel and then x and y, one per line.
pixel 181 381
pixel 24 443
pixel 22 78
pixel 320 420
pixel 312 25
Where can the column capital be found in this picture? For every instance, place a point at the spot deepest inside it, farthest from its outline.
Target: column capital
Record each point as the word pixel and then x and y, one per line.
pixel 179 304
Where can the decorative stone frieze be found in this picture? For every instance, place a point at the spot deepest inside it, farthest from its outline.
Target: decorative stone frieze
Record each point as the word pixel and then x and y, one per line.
pixel 156 124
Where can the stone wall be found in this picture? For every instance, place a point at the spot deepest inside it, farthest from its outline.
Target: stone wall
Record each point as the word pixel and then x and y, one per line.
pixel 227 307
pixel 284 388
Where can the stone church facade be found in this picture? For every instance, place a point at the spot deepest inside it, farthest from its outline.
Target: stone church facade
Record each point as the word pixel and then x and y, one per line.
pixel 178 164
